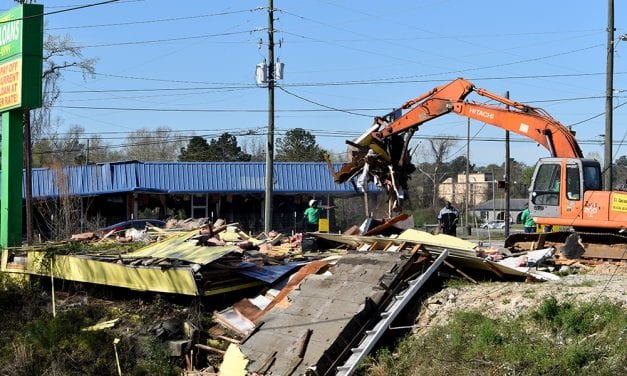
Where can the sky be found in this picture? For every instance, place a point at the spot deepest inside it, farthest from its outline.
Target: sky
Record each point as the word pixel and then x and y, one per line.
pixel 191 67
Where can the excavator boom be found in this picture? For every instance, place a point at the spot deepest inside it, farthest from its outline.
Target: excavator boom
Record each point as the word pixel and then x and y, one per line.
pixel 382 155
pixel 384 147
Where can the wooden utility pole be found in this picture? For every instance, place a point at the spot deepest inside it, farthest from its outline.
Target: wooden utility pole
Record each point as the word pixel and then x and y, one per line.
pixel 609 83
pixel 468 227
pixel 506 177
pixel 270 145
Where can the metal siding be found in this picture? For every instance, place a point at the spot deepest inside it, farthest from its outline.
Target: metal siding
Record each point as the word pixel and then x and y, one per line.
pixel 174 177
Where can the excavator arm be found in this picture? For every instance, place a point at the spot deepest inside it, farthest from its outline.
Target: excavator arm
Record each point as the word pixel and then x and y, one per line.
pixel 382 152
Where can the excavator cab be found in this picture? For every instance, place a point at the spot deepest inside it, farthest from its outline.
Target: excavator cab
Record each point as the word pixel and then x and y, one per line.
pixel 558 188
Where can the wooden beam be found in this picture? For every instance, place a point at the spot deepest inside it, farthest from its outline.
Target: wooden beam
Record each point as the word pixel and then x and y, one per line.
pixel 460 272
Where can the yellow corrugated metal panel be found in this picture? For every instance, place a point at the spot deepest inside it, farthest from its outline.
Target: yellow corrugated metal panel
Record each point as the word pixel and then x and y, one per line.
pixel 439 240
pixel 180 247
pixel 80 269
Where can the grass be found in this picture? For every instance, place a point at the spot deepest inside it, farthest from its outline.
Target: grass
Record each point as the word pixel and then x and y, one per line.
pixel 554 339
pixel 32 342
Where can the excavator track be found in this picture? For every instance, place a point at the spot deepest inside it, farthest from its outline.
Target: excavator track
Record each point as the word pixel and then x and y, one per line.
pixel 588 245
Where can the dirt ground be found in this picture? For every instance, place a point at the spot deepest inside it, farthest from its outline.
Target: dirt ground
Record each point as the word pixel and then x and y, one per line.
pixel 509 299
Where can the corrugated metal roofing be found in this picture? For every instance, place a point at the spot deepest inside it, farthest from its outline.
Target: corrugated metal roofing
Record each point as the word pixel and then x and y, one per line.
pixel 181 177
pixel 180 247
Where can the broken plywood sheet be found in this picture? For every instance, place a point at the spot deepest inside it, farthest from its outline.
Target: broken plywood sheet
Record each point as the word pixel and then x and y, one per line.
pixel 330 305
pixel 180 247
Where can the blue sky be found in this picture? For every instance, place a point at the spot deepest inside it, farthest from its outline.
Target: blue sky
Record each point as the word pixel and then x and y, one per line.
pixel 191 66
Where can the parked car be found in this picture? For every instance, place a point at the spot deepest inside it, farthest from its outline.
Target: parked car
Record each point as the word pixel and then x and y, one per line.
pixel 138 224
pixel 494 224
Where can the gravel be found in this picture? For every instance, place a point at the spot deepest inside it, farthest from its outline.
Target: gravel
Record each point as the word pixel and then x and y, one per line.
pixel 510 299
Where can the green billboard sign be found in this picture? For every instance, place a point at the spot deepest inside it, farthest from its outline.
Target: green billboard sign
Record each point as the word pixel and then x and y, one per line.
pixel 21 46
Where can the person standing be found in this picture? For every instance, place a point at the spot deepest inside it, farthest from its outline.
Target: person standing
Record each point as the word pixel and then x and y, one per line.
pixel 528 223
pixel 312 216
pixel 447 219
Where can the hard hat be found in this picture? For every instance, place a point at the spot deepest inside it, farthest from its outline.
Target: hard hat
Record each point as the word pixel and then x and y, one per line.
pixel 312 202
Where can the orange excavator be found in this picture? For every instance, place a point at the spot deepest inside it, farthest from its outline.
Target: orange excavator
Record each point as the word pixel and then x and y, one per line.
pixel 565 188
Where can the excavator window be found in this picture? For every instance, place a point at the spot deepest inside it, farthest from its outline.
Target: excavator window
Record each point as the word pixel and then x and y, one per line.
pixel 546 185
pixel 591 178
pixel 573 185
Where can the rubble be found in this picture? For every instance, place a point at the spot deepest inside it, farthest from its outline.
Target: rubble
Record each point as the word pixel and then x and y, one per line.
pixel 305 300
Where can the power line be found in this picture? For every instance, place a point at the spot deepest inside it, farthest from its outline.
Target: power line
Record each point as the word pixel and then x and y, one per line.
pixel 229 84
pixel 77 5
pixel 61 11
pixel 324 108
pixel 80 7
pixel 167 40
pixel 153 109
pixel 319 104
pixel 595 116
pixel 383 81
pixel 157 20
pixel 261 131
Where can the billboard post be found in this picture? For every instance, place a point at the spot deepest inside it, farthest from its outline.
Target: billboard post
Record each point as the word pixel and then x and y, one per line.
pixel 21 51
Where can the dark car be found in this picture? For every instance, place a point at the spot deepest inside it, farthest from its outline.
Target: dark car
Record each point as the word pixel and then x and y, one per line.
pixel 138 224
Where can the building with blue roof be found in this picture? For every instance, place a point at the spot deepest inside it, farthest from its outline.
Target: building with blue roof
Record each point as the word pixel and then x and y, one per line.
pixel 234 191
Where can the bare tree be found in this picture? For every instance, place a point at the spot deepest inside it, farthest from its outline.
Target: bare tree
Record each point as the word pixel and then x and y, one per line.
pixel 438 149
pixel 58 54
pixel 160 144
pixel 98 151
pixel 61 217
pixel 256 147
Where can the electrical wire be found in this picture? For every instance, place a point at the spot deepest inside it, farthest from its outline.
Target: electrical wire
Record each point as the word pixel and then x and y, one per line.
pixel 61 11
pixel 319 104
pixel 173 19
pixel 383 81
pixel 168 40
pixel 325 109
pixel 595 116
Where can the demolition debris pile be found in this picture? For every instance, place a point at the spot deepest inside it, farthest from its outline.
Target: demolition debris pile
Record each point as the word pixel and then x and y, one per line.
pixel 281 304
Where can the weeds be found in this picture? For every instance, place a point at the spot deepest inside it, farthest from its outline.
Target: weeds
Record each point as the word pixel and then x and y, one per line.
pixel 556 339
pixel 32 342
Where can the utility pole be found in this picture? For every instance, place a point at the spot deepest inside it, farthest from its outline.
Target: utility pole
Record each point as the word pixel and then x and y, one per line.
pixel 506 177
pixel 28 169
pixel 607 165
pixel 468 228
pixel 270 145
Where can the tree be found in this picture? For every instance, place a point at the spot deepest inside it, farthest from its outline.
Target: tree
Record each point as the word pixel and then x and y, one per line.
pixel 458 166
pixel 148 145
pixel 55 48
pixel 299 145
pixel 225 149
pixel 222 149
pixel 59 54
pixel 197 150
pixel 256 148
pixel 436 172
